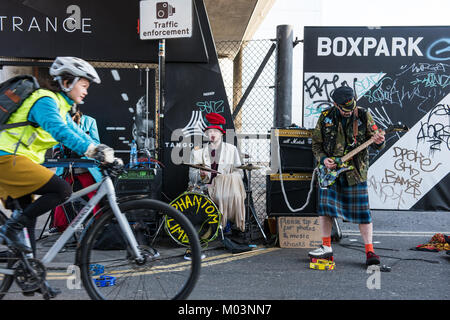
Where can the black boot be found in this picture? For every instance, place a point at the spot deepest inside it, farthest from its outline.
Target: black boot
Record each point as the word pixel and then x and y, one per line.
pixel 11 231
pixel 49 292
pixel 46 290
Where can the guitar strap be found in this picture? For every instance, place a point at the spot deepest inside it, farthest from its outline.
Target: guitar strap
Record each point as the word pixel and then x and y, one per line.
pixel 355 125
pixel 355 134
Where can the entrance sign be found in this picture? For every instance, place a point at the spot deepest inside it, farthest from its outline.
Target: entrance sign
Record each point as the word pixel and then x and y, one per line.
pixel 165 19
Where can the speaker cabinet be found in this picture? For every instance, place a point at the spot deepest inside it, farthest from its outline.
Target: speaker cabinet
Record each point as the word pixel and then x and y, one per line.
pixel 296 186
pixel 295 147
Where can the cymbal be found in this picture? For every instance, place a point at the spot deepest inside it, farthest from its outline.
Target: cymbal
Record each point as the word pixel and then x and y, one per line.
pixel 248 167
pixel 201 167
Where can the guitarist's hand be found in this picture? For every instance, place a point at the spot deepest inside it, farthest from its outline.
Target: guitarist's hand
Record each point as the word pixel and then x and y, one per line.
pixel 329 163
pixel 378 137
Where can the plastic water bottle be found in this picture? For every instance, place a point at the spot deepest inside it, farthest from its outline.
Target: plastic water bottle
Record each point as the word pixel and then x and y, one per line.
pixel 133 154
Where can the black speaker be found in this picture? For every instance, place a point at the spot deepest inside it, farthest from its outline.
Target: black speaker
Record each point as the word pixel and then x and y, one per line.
pixel 296 186
pixel 295 147
pixel 140 181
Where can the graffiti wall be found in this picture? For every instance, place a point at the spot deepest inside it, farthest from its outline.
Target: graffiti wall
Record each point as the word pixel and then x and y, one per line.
pixel 400 74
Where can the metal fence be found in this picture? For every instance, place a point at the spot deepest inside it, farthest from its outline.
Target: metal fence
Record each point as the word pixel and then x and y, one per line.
pixel 249 78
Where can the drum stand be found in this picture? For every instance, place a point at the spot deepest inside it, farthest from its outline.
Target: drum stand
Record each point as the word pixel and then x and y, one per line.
pixel 249 208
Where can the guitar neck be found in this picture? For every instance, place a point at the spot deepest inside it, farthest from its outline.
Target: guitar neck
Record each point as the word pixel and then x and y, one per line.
pixel 352 153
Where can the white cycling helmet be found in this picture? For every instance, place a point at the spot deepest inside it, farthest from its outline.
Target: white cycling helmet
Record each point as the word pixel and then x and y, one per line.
pixel 74 66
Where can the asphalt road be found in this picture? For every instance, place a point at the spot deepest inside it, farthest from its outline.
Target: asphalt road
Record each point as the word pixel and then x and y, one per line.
pixel 273 273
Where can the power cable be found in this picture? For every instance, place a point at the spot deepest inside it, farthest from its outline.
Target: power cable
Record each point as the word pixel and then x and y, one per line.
pixel 354 247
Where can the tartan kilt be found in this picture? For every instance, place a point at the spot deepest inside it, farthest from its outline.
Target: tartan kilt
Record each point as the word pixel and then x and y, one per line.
pixel 350 203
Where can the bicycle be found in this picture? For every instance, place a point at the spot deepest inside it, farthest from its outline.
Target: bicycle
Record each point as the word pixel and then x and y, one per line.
pixel 125 271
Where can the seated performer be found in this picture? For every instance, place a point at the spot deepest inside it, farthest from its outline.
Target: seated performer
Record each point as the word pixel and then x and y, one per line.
pixel 225 189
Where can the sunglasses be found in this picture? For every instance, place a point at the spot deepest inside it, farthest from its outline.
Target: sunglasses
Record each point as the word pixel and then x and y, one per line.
pixel 347 107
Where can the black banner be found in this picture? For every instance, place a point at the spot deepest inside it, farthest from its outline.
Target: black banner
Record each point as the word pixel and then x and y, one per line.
pixel 373 49
pixel 119 106
pixel 99 30
pixel 192 91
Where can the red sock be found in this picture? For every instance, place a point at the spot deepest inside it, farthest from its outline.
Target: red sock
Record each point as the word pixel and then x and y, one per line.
pixel 326 241
pixel 369 247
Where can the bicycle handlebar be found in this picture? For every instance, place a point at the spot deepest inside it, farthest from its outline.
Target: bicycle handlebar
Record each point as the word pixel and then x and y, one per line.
pixel 113 169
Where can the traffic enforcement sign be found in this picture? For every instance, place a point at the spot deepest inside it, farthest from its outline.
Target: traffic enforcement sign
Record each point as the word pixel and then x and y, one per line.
pixel 165 19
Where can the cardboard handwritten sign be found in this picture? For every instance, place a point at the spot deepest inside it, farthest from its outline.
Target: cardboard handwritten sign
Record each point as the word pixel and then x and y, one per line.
pixel 299 232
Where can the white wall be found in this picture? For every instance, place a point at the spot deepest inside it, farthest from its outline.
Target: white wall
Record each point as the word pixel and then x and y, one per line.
pixel 298 13
pixel 301 13
pixel 9 72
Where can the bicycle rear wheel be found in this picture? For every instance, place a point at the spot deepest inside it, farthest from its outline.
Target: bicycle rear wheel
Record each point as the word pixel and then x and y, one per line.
pixel 109 271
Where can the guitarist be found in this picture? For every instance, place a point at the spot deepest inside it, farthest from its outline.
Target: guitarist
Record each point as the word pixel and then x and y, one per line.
pixel 342 127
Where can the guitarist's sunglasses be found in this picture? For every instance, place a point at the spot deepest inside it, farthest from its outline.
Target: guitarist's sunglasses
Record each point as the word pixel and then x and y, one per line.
pixel 347 108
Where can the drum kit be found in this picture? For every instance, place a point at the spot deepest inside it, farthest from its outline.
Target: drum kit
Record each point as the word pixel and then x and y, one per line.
pixel 249 206
pixel 196 204
pixel 248 166
pixel 201 167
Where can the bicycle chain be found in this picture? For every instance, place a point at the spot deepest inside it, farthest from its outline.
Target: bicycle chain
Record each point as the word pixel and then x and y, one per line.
pixel 29 280
pixel 24 278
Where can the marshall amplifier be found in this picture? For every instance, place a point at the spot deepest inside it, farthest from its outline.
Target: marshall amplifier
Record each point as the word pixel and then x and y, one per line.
pixel 295 148
pixel 146 181
pixel 296 186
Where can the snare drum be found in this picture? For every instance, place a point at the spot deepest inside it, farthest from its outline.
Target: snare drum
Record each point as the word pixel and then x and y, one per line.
pixel 201 212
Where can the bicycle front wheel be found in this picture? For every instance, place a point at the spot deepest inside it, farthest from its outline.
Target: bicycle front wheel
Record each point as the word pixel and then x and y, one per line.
pixel 109 269
pixel 6 261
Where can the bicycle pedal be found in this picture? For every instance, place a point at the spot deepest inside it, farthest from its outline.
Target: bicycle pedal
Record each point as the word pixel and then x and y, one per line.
pixel 5 255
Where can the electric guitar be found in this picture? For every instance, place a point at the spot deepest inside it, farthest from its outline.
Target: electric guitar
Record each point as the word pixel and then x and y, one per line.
pixel 327 177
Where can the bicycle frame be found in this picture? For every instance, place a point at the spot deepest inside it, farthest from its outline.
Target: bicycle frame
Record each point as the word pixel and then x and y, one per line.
pixel 104 187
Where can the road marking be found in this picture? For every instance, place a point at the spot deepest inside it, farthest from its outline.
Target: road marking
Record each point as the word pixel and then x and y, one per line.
pixel 396 233
pixel 181 266
pixel 238 256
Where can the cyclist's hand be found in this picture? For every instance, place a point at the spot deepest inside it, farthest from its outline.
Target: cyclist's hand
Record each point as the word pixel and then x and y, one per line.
pixel 100 152
pixel 118 161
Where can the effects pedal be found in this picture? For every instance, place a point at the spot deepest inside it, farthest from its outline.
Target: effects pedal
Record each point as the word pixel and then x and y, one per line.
pixel 322 264
pixel 314 260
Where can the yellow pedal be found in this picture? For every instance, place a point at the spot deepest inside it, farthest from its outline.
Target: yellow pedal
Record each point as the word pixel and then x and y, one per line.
pixel 322 264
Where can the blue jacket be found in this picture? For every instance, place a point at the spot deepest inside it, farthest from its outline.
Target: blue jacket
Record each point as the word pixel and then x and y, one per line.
pixel 88 125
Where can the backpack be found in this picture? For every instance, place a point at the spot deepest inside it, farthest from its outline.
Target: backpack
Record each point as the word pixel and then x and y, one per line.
pixel 13 92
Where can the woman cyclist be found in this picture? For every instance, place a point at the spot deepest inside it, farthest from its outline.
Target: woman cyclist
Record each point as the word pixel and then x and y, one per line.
pixel 22 149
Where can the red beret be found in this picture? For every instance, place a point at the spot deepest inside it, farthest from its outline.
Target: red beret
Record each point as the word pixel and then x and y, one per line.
pixel 215 118
pixel 216 121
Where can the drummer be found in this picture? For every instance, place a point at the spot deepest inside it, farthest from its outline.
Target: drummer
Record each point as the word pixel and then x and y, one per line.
pixel 226 189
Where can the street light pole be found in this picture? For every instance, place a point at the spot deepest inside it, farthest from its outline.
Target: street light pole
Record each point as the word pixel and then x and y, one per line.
pixel 161 79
